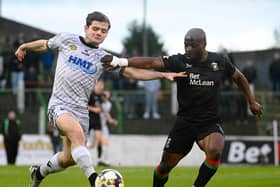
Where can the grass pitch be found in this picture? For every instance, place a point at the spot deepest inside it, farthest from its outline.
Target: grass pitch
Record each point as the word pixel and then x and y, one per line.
pixel 227 176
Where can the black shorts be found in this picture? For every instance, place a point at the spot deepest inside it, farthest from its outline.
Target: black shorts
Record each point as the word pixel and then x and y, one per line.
pixel 94 124
pixel 183 135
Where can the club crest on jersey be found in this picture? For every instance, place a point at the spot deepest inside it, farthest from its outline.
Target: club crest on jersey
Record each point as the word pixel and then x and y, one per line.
pixel 84 65
pixel 215 66
pixel 73 47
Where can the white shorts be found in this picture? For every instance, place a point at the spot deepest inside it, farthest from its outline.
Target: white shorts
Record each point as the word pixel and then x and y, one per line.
pixel 54 111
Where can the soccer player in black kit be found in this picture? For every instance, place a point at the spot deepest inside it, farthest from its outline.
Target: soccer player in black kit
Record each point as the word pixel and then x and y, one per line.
pixel 197 119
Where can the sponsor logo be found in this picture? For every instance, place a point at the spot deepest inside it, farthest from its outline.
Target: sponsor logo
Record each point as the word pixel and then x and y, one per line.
pixel 238 153
pixel 85 65
pixel 196 81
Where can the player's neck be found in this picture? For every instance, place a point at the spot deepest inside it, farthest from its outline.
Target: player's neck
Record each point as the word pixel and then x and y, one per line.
pixel 204 56
pixel 88 43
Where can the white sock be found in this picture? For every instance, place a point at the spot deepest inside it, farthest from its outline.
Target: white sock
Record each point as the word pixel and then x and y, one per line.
pixel 52 166
pixel 82 158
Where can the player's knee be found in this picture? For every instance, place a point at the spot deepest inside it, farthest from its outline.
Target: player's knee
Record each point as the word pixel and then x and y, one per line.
pixel 165 167
pixel 214 154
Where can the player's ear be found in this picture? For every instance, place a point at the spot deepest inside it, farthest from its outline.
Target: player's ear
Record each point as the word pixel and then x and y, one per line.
pixel 85 28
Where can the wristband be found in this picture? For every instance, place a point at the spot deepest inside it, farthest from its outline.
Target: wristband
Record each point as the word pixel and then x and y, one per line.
pixel 119 62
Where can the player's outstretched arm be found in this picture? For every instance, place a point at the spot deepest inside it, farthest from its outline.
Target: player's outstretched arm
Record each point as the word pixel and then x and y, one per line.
pixel 243 84
pixel 143 74
pixel 36 46
pixel 138 62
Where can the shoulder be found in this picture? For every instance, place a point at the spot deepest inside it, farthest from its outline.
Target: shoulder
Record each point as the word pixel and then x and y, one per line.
pixel 177 57
pixel 67 35
pixel 218 58
pixel 61 38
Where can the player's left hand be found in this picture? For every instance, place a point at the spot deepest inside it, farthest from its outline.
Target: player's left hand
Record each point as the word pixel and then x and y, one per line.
pixel 114 61
pixel 256 109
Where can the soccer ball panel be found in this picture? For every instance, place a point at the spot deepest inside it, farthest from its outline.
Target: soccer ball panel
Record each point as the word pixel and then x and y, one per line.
pixel 109 178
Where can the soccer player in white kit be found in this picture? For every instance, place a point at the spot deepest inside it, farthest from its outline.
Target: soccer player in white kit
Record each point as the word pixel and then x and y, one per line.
pixel 78 69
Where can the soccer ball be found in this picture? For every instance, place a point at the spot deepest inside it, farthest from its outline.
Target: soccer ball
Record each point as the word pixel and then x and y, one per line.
pixel 109 178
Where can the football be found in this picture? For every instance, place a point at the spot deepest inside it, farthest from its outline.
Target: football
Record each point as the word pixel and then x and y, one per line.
pixel 109 178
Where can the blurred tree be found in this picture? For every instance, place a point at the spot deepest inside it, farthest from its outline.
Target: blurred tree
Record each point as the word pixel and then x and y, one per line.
pixel 277 36
pixel 133 44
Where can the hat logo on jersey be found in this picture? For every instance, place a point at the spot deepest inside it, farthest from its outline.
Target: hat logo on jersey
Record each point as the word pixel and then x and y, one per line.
pixel 188 66
pixel 73 47
pixel 215 66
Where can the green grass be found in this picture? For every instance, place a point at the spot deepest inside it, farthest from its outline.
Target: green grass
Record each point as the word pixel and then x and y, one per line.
pixel 227 176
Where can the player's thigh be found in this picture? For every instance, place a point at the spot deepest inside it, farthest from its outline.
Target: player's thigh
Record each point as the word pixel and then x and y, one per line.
pixel 71 128
pixel 181 138
pixel 212 140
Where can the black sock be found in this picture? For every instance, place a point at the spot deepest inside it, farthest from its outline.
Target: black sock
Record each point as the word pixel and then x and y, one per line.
pixel 38 174
pixel 99 151
pixel 204 175
pixel 92 178
pixel 159 181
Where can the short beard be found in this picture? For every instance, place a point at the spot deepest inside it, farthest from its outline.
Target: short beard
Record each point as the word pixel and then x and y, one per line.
pixel 196 58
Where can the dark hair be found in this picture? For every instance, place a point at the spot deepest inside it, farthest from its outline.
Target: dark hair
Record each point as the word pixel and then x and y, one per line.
pixel 97 16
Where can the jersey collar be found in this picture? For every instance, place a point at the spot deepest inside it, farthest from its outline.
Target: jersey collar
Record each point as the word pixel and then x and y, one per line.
pixel 87 44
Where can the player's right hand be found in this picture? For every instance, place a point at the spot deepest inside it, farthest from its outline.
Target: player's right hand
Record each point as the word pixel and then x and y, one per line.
pixel 20 53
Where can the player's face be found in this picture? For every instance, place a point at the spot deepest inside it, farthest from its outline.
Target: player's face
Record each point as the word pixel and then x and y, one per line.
pixel 96 32
pixel 193 49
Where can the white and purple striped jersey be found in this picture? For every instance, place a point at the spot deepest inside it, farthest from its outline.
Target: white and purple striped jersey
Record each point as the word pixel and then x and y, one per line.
pixel 77 70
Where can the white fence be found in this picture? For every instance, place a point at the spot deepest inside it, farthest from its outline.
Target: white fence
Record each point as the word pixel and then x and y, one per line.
pixel 139 150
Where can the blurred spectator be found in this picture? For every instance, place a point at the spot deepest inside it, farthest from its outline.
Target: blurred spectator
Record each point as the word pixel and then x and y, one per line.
pixel 106 119
pixel 274 72
pixel 16 68
pixel 31 81
pixel 250 73
pixel 228 84
pixel 152 89
pixel 12 135
pixel 130 98
pixel 56 139
pixel 31 63
pixel 7 53
pixel 3 80
pixel 47 61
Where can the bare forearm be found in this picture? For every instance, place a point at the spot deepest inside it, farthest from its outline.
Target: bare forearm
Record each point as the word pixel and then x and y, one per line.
pixel 36 46
pixel 142 74
pixel 145 62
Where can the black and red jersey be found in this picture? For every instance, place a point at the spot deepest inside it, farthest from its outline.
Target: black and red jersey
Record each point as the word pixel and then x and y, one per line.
pixel 198 94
